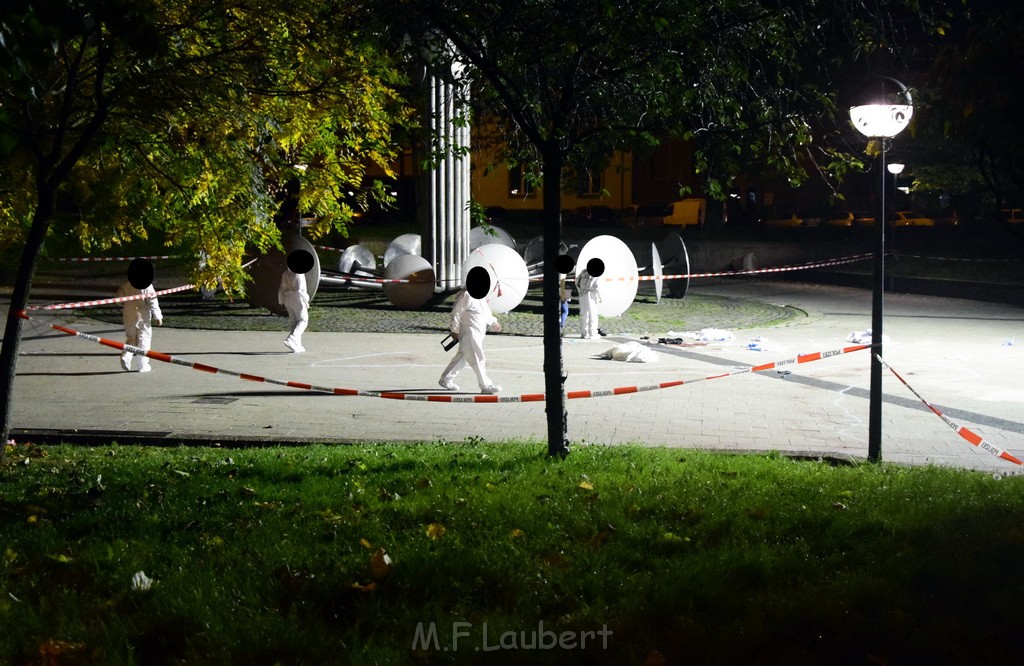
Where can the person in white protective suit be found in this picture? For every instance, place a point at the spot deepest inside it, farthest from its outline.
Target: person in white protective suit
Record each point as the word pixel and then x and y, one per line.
pixel 588 285
pixel 138 314
pixel 292 294
pixel 469 322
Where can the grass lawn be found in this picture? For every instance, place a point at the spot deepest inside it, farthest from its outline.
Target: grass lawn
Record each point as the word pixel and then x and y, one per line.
pixel 492 553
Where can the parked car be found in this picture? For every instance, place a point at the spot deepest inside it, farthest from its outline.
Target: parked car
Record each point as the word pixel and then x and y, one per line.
pixel 909 218
pixel 839 218
pixel 863 219
pixel 848 218
pixel 1013 215
pixel 589 216
pixel 643 215
pixel 686 213
pixel 792 220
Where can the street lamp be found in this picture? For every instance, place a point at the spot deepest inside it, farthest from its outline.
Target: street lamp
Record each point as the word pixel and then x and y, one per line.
pixel 895 168
pixel 885 117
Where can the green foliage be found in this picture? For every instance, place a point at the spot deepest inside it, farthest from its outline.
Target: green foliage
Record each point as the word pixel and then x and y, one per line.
pixel 970 120
pixel 750 82
pixel 275 554
pixel 211 117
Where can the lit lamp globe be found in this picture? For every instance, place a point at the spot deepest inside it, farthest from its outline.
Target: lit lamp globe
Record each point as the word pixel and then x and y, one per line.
pixel 877 121
pixel 884 120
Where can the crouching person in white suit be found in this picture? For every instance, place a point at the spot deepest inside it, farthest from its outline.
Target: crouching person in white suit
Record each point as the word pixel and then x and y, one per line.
pixel 138 314
pixel 470 320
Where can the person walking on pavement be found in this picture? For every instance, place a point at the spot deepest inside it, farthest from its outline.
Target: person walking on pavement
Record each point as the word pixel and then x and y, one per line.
pixel 469 322
pixel 139 313
pixel 292 294
pixel 588 286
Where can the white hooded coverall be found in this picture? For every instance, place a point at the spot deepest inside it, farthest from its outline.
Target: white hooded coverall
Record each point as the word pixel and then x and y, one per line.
pixel 590 296
pixel 293 296
pixel 138 316
pixel 470 319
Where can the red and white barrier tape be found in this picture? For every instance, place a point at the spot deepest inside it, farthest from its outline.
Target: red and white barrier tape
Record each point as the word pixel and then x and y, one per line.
pixel 899 255
pixel 351 277
pixel 780 269
pixel 964 432
pixel 818 264
pixel 802 358
pixel 110 301
pixel 89 259
pixel 392 395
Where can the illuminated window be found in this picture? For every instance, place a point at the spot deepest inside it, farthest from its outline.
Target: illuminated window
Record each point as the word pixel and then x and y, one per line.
pixel 588 183
pixel 518 184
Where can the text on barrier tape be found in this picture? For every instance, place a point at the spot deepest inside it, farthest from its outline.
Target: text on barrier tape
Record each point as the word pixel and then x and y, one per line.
pixel 393 395
pixel 967 434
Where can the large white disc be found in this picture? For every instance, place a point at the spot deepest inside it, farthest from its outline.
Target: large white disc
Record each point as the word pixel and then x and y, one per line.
pixel 677 262
pixel 656 265
pixel 619 283
pixel 479 236
pixel 420 287
pixel 507 270
pixel 533 255
pixel 404 244
pixel 357 258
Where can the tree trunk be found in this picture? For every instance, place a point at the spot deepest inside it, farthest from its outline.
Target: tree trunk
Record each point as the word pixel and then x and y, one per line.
pixel 19 300
pixel 554 369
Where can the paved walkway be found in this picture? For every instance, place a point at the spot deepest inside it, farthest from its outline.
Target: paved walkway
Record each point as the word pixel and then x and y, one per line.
pixel 956 353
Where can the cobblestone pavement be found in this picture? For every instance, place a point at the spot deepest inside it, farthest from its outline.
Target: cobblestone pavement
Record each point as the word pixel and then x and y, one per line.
pixel 965 357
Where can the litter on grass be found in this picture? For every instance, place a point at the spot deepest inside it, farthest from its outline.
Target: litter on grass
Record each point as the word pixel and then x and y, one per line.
pixel 141 582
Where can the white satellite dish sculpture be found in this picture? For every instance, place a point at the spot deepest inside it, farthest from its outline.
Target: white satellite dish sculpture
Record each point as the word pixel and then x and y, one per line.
pixel 408 280
pixel 357 260
pixel 357 268
pixel 509 277
pixel 490 235
pixel 619 283
pixel 404 244
pixel 266 273
pixel 420 285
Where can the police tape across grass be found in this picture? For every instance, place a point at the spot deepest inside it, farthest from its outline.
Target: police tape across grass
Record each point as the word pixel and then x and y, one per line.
pixel 462 552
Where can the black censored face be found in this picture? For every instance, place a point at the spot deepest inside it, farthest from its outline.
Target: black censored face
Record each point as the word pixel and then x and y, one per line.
pixel 300 261
pixel 478 282
pixel 140 273
pixel 595 267
pixel 564 264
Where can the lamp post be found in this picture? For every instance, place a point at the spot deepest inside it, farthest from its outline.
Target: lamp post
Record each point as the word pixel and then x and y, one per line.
pixel 883 118
pixel 895 168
